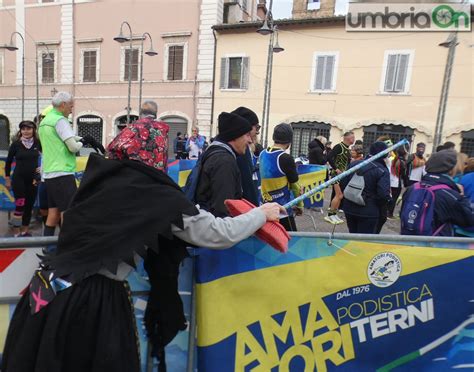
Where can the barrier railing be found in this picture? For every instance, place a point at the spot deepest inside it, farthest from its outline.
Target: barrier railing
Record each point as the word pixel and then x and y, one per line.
pixel 332 239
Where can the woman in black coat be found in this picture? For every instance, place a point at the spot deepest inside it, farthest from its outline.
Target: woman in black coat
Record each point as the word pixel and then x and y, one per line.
pixel 376 194
pixel 316 151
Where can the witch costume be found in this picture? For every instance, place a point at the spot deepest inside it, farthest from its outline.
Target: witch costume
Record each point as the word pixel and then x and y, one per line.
pixel 77 314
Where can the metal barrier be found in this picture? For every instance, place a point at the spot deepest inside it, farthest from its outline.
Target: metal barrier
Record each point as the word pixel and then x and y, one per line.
pixel 36 242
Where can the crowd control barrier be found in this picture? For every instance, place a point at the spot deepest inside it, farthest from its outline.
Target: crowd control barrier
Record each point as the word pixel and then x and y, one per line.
pixel 334 302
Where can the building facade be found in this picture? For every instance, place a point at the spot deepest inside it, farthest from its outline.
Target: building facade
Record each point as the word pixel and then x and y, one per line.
pixel 69 45
pixel 328 81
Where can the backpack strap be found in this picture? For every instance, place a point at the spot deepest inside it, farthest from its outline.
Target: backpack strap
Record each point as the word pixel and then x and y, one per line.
pixel 439 187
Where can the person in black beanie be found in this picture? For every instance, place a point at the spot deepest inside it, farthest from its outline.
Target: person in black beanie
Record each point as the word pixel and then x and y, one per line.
pixel 219 178
pixel 248 163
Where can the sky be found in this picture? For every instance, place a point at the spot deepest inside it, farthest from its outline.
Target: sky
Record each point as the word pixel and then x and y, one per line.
pixel 282 8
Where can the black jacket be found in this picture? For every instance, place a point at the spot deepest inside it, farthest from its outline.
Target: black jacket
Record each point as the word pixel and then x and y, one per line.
pixel 376 191
pixel 219 179
pixel 246 168
pixel 451 208
pixel 316 153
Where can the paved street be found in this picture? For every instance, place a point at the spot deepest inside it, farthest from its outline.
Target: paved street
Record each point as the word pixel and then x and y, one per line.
pixel 305 223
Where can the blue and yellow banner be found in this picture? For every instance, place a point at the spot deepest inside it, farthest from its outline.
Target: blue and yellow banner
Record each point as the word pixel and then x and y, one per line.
pixel 310 177
pixel 346 306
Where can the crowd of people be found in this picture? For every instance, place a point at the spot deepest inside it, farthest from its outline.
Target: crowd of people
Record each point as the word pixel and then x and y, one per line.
pixel 394 179
pixel 76 313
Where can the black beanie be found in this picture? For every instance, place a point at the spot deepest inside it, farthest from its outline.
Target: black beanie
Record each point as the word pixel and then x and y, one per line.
pixel 377 147
pixel 283 133
pixel 232 126
pixel 247 114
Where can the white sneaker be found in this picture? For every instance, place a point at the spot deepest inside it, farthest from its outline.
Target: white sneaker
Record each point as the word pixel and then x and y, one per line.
pixel 338 219
pixel 332 219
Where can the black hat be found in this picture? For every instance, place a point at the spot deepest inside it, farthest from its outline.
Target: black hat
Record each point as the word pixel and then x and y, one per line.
pixel 247 114
pixel 232 126
pixel 377 147
pixel 442 162
pixel 283 133
pixel 27 123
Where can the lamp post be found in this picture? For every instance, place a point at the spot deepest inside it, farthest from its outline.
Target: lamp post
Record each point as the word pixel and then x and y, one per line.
pixel 150 52
pixel 12 47
pixel 450 43
pixel 122 39
pixel 269 28
pixel 47 59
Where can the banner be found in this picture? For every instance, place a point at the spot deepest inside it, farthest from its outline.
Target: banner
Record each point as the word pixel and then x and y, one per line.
pixel 17 267
pixel 310 177
pixel 346 306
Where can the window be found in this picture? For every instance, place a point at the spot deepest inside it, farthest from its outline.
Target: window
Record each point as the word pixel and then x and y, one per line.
pixel 304 133
pixel 175 62
pixel 397 71
pixel 133 56
pixel 245 5
pixel 48 62
pixel 395 132
pixel 313 5
pixel 90 125
pixel 234 73
pixel 324 71
pixel 467 143
pixel 90 65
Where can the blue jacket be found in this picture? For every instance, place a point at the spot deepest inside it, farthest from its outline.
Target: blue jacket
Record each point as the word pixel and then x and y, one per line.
pixel 376 191
pixel 468 183
pixel 451 208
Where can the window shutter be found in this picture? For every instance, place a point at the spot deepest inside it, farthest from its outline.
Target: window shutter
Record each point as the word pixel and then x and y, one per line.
pixel 401 73
pixel 390 73
pixel 1 69
pixel 178 62
pixel 90 65
pixel 224 73
pixel 245 73
pixel 170 63
pixel 328 72
pixel 318 84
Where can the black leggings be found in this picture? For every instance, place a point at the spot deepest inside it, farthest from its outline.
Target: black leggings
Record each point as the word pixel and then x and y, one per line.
pixel 25 196
pixel 395 194
pixel 361 225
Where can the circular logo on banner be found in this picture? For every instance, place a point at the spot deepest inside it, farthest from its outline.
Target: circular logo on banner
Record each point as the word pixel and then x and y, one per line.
pixel 384 269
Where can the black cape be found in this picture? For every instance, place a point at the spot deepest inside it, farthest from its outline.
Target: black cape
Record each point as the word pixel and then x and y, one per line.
pixel 120 208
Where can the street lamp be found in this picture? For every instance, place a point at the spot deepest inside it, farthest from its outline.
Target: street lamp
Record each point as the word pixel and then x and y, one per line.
pixel 269 28
pixel 46 59
pixel 122 39
pixel 151 52
pixel 12 47
pixel 450 43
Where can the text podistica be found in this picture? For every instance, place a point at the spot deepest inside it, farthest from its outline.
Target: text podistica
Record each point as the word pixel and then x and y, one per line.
pixel 321 338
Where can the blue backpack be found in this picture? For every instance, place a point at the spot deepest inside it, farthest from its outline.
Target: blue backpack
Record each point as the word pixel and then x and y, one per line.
pixel 417 214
